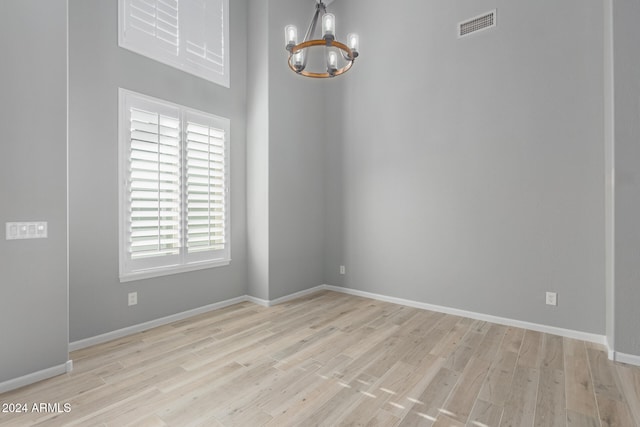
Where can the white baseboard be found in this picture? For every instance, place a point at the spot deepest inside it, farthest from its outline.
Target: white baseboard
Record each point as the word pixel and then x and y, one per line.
pixel 120 333
pixel 286 298
pixel 76 345
pixel 33 377
pixel 258 301
pixel 629 359
pixel 584 336
pixel 293 296
pixel 610 351
pixel 569 333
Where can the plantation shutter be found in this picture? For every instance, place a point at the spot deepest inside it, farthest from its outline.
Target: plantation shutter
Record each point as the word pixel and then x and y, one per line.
pixel 204 36
pixel 206 187
pixel 191 35
pixel 152 25
pixel 154 185
pixel 174 197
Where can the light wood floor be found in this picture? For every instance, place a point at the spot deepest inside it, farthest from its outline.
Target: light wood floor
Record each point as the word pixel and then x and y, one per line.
pixel 333 359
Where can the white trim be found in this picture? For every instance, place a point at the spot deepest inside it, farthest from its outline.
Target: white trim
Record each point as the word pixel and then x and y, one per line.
pixel 295 295
pixel 34 377
pixel 584 336
pixel 258 301
pixel 286 298
pixel 99 339
pixel 569 333
pixel 80 344
pixel 630 359
pixel 609 181
pixel 145 268
pixel 169 270
pixel 68 222
pixel 610 351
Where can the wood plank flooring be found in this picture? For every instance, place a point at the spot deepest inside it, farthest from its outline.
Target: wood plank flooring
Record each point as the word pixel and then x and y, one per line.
pixel 330 359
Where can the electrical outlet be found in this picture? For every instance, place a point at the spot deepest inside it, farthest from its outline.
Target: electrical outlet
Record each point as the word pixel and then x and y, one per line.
pixel 552 298
pixel 133 298
pixel 342 269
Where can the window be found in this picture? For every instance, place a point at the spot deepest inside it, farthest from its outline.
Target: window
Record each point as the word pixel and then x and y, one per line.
pixel 173 188
pixel 191 35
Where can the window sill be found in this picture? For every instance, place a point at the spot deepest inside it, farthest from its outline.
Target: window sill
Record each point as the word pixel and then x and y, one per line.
pixel 167 271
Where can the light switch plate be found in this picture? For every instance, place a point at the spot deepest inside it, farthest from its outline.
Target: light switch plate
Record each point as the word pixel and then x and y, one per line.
pixel 26 230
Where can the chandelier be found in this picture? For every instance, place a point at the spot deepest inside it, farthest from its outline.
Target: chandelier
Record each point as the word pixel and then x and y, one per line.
pixel 339 56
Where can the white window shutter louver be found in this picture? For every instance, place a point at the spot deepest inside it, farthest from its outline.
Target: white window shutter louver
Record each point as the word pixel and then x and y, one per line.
pixel 191 35
pixel 174 194
pixel 153 22
pixel 204 35
pixel 154 185
pixel 206 188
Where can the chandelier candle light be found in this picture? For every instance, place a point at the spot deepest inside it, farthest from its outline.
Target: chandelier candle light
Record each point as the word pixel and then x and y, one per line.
pixel 299 52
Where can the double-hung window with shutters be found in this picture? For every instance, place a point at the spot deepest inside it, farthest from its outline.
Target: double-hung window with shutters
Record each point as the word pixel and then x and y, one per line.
pixel 191 35
pixel 174 178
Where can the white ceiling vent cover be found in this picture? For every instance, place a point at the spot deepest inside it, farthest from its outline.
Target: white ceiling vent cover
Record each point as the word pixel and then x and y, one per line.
pixel 476 24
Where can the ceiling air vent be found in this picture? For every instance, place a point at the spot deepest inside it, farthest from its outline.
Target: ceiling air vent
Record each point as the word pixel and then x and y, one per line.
pixel 479 23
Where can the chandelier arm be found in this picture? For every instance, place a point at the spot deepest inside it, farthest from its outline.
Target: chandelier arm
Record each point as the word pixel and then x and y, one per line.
pixel 312 25
pixel 311 29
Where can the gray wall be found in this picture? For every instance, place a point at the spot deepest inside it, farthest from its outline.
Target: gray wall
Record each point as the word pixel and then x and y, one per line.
pixel 626 14
pixel 33 185
pixel 286 135
pixel 472 171
pixel 277 202
pixel 258 150
pixel 98 67
pixel 473 179
pixel 296 170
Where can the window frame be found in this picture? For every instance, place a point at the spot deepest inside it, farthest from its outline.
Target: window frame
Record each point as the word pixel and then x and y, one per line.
pixel 180 59
pixel 130 270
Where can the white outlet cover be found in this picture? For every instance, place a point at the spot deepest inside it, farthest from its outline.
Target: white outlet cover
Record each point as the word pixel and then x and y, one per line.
pixel 552 298
pixel 133 298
